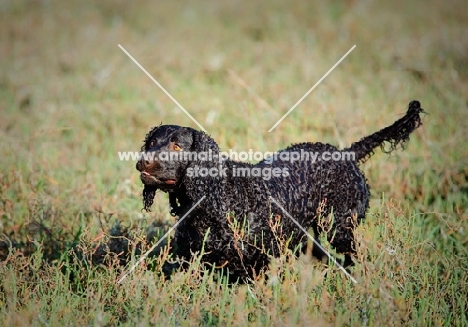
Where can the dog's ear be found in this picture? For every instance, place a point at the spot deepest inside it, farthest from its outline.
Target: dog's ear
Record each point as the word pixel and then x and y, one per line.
pixel 149 191
pixel 148 137
pixel 202 142
pixel 213 186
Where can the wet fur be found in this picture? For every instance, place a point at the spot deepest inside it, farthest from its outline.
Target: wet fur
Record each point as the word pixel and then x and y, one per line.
pixel 324 196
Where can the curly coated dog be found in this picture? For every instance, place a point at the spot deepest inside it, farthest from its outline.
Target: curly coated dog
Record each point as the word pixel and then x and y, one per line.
pixel 237 225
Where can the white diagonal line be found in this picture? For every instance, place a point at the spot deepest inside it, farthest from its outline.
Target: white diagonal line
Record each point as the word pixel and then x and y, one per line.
pixel 315 242
pixel 143 257
pixel 312 88
pixel 162 88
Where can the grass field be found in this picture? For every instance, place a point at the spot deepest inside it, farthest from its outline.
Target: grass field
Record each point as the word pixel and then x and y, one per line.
pixel 70 99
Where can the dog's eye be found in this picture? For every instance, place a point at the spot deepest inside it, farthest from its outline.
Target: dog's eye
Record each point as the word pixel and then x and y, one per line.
pixel 177 148
pixel 153 143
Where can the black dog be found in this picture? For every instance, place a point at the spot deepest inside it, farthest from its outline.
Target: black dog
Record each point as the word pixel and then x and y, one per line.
pixel 237 223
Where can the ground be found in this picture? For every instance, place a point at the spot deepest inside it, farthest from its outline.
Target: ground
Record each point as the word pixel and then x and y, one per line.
pixel 71 99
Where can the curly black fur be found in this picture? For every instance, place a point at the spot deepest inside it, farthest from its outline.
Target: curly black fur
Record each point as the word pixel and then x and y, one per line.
pixel 324 196
pixel 396 134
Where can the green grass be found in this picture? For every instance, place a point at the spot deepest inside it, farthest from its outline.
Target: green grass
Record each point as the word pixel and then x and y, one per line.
pixel 70 99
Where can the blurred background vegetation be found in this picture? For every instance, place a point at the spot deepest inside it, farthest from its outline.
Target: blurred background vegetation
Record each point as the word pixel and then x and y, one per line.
pixel 70 99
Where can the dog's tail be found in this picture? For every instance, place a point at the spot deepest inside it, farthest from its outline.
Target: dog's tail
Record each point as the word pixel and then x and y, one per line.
pixel 396 134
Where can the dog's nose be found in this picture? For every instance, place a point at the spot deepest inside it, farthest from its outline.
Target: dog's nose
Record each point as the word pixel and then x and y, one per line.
pixel 147 162
pixel 139 165
pixel 142 163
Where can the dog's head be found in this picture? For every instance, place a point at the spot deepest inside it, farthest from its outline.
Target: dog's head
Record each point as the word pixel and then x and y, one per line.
pixel 162 163
pixel 167 152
